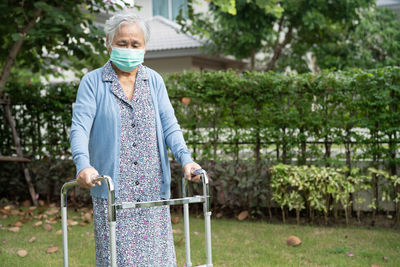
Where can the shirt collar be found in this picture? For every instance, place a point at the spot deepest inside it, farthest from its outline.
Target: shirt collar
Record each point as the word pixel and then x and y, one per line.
pixel 109 74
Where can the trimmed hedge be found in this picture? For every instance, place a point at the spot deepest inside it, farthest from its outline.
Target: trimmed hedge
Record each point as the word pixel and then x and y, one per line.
pixel 240 124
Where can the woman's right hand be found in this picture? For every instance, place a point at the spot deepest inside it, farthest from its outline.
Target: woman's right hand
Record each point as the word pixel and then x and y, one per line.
pixel 85 176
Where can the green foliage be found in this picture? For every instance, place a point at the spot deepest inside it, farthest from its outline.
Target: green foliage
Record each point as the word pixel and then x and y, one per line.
pixel 296 187
pixel 372 42
pixel 259 25
pixel 388 186
pixel 251 23
pixel 43 116
pixel 63 35
pixel 334 119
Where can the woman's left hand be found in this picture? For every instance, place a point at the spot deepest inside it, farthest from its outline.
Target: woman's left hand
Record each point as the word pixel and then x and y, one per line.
pixel 189 168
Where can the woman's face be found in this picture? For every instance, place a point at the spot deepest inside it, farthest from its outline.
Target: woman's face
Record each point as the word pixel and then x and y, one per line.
pixel 129 36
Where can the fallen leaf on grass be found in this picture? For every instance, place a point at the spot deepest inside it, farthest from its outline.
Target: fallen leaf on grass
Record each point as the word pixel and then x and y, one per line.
pixel 4 211
pixel 293 241
pixel 71 222
pixel 52 211
pixel 219 215
pixel 350 254
pixel 59 232
pixel 5 216
pixel 385 259
pixel 32 208
pixel 52 205
pixel 29 212
pixel 15 212
pixel 4 242
pixel 36 224
pixel 8 207
pixel 18 224
pixel 32 239
pixel 51 222
pixel 375 265
pixel 52 250
pixel 48 227
pixel 196 233
pixel 176 231
pixel 179 242
pixel 26 203
pixel 25 220
pixel 175 219
pixel 84 223
pixel 41 203
pixel 14 229
pixel 87 216
pixel 243 215
pixel 41 217
pixel 22 253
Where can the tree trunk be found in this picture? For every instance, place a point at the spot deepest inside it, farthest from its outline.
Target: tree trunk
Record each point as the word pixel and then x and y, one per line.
pixel 258 138
pixel 278 48
pixel 215 141
pixel 278 154
pixel 348 151
pixel 18 148
pixel 284 147
pixel 392 150
pixel 327 154
pixel 303 144
pixel 5 73
pixel 252 59
pixel 257 148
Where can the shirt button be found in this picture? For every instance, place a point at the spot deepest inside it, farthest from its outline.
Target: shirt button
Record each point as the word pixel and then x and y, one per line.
pixel 133 125
pixel 134 144
pixel 137 200
pixel 135 162
pixel 137 182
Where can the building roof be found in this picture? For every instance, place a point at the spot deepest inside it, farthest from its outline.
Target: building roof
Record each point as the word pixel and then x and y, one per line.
pixel 166 35
pixel 392 4
pixel 387 3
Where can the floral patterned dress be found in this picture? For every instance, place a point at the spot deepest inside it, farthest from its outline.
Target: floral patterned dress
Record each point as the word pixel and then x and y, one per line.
pixel 144 235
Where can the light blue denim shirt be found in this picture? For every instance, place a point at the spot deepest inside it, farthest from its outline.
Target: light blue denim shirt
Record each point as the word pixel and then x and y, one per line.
pixel 96 128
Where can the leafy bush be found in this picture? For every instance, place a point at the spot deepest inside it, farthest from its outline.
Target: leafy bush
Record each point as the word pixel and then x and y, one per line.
pixel 239 124
pixel 298 187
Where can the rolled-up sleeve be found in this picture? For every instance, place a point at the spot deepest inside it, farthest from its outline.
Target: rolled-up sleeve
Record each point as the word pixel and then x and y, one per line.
pixel 172 132
pixel 84 111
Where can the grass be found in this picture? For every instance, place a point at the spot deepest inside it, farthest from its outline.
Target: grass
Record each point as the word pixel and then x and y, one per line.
pixel 234 244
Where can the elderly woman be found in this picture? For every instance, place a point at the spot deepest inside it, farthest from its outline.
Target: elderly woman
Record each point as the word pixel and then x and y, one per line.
pixel 122 122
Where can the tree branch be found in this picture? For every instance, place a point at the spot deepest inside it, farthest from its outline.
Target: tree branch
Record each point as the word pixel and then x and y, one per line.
pixel 5 73
pixel 278 47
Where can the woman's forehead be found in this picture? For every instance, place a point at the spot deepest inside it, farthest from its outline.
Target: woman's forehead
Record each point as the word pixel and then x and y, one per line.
pixel 131 31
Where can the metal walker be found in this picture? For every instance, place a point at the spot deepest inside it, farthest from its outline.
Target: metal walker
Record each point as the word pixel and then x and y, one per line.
pixel 113 207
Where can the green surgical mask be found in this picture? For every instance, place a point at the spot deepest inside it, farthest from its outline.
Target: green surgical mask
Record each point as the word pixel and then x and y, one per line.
pixel 126 59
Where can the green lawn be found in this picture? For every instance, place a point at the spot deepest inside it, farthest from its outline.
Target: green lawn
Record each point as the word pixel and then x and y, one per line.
pixel 234 244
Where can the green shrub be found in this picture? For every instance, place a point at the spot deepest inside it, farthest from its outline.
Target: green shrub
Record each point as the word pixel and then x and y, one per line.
pixel 298 187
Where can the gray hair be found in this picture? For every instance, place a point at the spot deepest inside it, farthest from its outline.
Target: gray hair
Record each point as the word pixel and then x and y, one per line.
pixel 113 25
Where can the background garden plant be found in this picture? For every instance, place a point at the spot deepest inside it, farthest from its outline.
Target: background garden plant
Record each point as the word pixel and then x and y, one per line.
pixel 240 125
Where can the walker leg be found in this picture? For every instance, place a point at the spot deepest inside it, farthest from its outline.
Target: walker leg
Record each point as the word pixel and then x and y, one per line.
pixel 207 215
pixel 64 228
pixel 112 218
pixel 187 234
pixel 113 248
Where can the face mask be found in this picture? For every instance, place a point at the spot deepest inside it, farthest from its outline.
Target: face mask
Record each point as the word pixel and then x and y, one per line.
pixel 126 59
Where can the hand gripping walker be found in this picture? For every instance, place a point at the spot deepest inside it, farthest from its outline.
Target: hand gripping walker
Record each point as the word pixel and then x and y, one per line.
pixel 112 208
